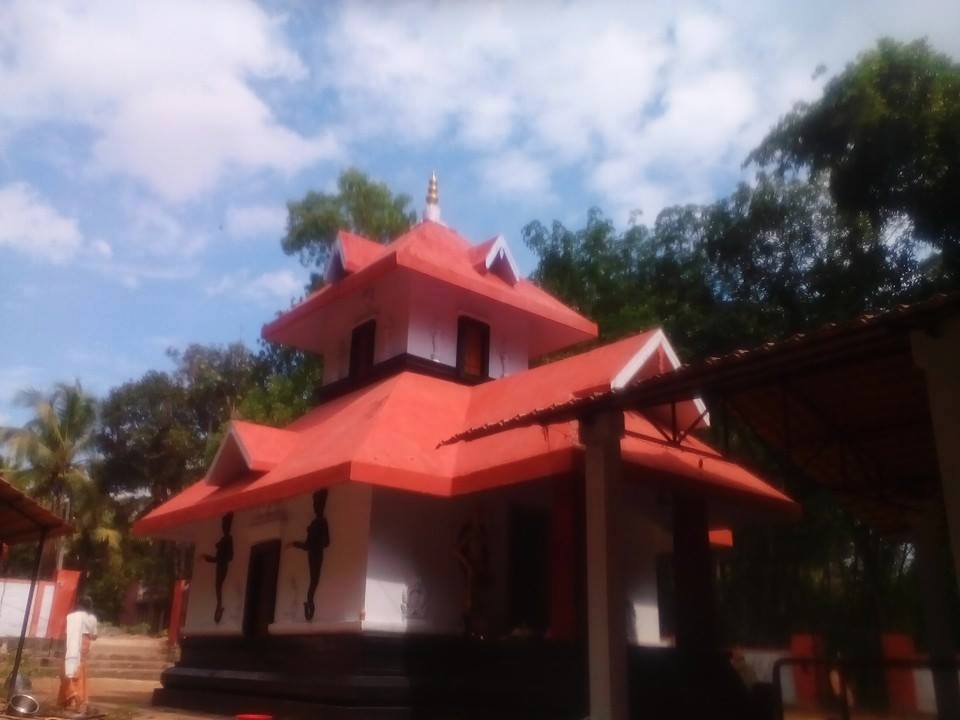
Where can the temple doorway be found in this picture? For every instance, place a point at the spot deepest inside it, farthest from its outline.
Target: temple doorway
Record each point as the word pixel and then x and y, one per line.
pixel 529 569
pixel 261 588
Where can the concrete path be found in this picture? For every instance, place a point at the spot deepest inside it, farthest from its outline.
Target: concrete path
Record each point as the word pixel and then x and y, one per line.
pixel 121 699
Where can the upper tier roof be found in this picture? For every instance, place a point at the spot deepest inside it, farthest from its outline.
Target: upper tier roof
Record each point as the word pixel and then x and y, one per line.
pixel 390 433
pixel 433 251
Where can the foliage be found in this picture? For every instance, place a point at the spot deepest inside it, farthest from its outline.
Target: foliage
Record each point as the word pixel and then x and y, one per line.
pixel 886 134
pixel 771 259
pixel 360 205
pixel 51 450
pixel 285 381
pixel 53 453
pixel 851 192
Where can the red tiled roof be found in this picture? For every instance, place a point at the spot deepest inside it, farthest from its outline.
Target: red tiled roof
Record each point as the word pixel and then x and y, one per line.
pixel 436 251
pixel 357 251
pixel 390 433
pixel 264 446
pixel 866 331
pixel 22 519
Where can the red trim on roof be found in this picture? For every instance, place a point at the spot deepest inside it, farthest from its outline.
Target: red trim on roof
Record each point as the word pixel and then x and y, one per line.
pixel 389 434
pixel 356 251
pixel 437 252
pixel 263 446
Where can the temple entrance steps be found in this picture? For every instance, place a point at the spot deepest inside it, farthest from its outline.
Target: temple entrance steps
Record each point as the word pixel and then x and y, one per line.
pixel 119 657
pixel 129 657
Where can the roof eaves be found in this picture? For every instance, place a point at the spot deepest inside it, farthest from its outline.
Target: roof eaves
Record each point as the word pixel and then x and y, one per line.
pixel 328 294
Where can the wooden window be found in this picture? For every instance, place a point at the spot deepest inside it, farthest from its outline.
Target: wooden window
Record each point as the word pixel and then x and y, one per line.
pixel 361 348
pixel 473 348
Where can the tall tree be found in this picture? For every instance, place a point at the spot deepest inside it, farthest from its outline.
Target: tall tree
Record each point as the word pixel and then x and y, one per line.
pixel 52 453
pixel 886 134
pixel 53 449
pixel 360 205
pixel 158 433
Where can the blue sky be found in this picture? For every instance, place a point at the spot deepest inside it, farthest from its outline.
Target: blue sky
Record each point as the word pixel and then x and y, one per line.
pixel 147 149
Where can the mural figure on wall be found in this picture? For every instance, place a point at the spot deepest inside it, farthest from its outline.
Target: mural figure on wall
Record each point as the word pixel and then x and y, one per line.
pixel 318 538
pixel 474 557
pixel 222 559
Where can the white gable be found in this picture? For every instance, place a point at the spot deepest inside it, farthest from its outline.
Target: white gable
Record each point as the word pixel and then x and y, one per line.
pixel 500 261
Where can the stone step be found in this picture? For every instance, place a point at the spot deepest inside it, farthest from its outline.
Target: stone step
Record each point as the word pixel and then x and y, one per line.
pixel 131 665
pixel 122 654
pixel 125 674
pixel 129 674
pixel 129 656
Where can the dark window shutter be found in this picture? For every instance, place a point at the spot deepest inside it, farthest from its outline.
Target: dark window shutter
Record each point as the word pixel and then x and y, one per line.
pixel 361 348
pixel 473 348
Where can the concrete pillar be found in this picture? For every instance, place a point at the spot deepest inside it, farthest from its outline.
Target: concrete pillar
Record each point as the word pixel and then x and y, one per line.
pixel 696 615
pixel 930 545
pixel 938 354
pixel 606 601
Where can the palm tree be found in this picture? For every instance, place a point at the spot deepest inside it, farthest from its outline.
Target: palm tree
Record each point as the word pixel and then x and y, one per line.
pixel 51 452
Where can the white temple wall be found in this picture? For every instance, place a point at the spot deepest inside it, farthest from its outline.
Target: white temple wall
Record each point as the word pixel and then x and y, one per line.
pixel 432 331
pixel 339 595
pixel 646 537
pixel 420 318
pixel 413 555
pixel 387 304
pixel 392 566
pixel 414 581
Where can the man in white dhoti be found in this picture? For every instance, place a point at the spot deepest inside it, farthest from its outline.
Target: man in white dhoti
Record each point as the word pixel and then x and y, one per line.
pixel 81 631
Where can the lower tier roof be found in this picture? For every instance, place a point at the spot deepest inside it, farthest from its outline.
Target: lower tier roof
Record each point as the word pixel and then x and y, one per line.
pixel 391 434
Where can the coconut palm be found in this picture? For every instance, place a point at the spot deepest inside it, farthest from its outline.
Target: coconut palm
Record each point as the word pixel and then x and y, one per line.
pixel 51 452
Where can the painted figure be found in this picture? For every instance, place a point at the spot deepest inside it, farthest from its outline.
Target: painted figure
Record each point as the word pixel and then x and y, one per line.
pixel 81 630
pixel 474 558
pixel 222 559
pixel 318 538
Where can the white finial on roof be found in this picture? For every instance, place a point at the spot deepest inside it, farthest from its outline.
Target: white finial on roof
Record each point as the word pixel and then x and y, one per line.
pixel 432 209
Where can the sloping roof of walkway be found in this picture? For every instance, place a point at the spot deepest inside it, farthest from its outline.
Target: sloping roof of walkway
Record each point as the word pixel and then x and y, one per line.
pixel 24 520
pixel 846 405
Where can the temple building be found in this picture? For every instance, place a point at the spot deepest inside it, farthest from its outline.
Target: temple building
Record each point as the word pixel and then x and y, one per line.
pixel 364 559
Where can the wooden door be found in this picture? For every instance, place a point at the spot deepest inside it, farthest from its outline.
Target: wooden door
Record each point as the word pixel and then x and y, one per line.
pixel 261 588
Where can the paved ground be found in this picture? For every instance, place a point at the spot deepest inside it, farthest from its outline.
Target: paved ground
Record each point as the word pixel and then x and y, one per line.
pixel 122 699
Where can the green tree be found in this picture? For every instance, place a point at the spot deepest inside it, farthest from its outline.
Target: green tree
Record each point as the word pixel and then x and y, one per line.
pixel 156 435
pixel 360 205
pixel 53 453
pixel 52 450
pixel 159 432
pixel 886 135
pixel 285 380
pixel 148 439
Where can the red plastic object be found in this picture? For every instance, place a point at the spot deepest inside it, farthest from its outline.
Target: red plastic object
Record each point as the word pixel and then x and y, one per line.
pixel 254 717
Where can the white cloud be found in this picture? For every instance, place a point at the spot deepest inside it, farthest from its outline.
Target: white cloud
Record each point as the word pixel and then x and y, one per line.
pixel 648 102
pixel 516 172
pixel 155 232
pixel 267 288
pixel 253 221
pixel 166 88
pixel 30 225
pixel 15 378
pixel 102 248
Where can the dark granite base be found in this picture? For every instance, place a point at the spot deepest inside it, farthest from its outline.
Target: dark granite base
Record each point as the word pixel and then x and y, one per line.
pixel 429 677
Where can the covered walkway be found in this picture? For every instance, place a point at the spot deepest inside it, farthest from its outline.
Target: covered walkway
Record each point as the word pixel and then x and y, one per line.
pixel 24 520
pixel 869 410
